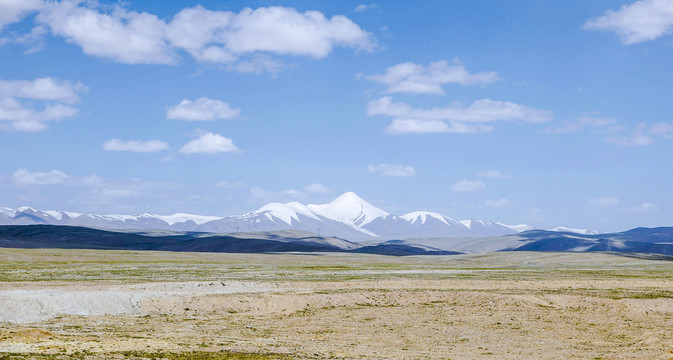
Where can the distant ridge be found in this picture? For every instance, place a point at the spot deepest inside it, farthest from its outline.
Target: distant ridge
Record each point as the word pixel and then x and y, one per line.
pixel 641 240
pixel 348 217
pixel 75 237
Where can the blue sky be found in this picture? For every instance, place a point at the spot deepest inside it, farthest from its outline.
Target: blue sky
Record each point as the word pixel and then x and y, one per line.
pixel 547 113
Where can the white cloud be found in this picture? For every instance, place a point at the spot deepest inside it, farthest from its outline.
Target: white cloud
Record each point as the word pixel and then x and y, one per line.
pixel 392 170
pixel 135 145
pixel 637 22
pixel 12 11
pixel 46 89
pixel 257 64
pixel 365 7
pixel 285 31
pixel 418 126
pixel 209 143
pixel 33 41
pixel 642 208
pixel 229 184
pixel 604 201
pixel 578 125
pixel 494 174
pixel 202 109
pixel 28 116
pixel 468 185
pixel 266 196
pixel 317 189
pixel 484 110
pixel 123 36
pixel 632 140
pixel 15 115
pixel 500 203
pixel 90 190
pixel 664 130
pixel 461 119
pixel 220 37
pixel 25 177
pixel 413 78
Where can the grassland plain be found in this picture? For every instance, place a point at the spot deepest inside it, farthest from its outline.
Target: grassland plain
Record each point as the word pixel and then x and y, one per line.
pixel 88 304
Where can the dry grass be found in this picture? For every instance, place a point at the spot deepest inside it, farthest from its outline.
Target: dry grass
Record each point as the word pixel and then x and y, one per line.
pixel 500 306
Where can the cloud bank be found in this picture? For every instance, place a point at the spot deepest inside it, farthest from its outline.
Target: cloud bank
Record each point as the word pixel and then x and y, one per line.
pixel 242 40
pixel 638 22
pixel 409 77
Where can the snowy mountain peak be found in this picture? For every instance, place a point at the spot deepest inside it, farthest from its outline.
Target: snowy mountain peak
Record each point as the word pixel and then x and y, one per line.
pixel 576 231
pixel 518 228
pixel 349 208
pixel 285 212
pixel 423 216
pixel 348 216
pixel 471 223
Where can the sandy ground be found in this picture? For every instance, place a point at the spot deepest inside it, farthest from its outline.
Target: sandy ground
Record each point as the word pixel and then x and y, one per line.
pixel 499 306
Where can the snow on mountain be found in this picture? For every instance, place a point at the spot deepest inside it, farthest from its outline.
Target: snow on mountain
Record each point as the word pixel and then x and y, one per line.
pixel 284 212
pixel 422 216
pixel 518 228
pixel 182 217
pixel 349 208
pixel 576 231
pixel 348 216
pixel 58 215
pixel 486 228
pixel 7 212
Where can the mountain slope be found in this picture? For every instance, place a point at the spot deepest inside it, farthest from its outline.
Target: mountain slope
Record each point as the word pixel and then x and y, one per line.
pixel 72 237
pixel 348 216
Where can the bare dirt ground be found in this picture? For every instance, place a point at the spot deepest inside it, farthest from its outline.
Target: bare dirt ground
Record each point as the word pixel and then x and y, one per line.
pixel 109 304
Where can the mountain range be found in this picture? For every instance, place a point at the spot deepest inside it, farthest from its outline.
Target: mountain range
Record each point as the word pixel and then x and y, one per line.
pixel 649 242
pixel 347 217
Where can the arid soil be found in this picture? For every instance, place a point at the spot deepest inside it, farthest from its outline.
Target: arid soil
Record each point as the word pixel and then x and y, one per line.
pixel 101 304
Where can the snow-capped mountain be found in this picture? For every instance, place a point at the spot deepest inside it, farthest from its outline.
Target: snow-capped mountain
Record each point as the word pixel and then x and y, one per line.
pixel 348 216
pixel 573 230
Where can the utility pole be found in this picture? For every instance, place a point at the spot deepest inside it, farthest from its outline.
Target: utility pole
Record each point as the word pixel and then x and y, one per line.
pixel 318 231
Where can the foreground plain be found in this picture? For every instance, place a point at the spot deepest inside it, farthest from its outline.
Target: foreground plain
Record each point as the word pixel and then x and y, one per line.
pixel 91 304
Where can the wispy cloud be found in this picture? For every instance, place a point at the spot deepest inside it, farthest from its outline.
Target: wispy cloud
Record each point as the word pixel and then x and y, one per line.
pixel 664 130
pixel 631 140
pixel 642 208
pixel 500 203
pixel 468 185
pixel 135 145
pixel 280 196
pixel 317 189
pixel 419 126
pixel 494 174
pixel 580 124
pixel 365 7
pixel 604 201
pixel 455 118
pixel 24 177
pixel 414 78
pixel 45 89
pixel 392 170
pixel 229 184
pixel 638 22
pixel 202 109
pixel 46 100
